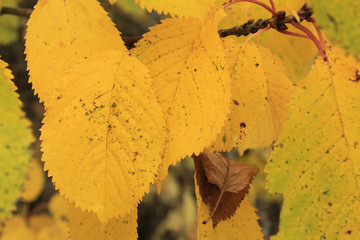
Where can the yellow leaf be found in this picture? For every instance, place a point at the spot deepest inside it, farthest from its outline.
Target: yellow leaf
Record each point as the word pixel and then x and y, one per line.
pixel 260 95
pixel 15 229
pixel 59 34
pixel 112 1
pixel 279 92
pixel 85 225
pixel 248 94
pixel 15 141
pixel 103 138
pixel 44 227
pixel 242 226
pixel 40 221
pixel 34 182
pixel 316 162
pixel 186 61
pixel 58 209
pixel 184 8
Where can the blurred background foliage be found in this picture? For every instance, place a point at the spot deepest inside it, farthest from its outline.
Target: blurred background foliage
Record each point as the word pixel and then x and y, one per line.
pixel 170 215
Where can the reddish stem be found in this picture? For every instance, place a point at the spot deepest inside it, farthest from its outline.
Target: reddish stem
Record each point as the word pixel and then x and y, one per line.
pixel 294 34
pixel 273 5
pixel 312 37
pixel 256 2
pixel 317 30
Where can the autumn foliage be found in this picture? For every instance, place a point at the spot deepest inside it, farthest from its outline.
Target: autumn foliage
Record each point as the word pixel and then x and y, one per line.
pixel 116 119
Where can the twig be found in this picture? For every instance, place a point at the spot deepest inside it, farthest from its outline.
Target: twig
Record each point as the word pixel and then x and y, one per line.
pixel 22 12
pixel 256 34
pixel 280 24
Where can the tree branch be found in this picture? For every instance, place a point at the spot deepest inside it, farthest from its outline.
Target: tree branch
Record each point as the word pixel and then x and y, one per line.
pixel 22 12
pixel 279 24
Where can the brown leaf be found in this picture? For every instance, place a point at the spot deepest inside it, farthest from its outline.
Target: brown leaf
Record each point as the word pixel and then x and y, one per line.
pixel 222 183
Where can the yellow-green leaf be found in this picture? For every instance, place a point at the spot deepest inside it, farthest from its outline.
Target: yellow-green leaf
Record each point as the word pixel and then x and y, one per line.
pixel 103 138
pixel 186 60
pixel 15 141
pixel 184 8
pixel 241 226
pixel 85 225
pixel 59 34
pixel 340 20
pixel 316 162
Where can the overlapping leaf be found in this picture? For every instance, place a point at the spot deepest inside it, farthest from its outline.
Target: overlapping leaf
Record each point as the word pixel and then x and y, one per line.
pixel 248 94
pixel 279 92
pixel 242 226
pixel 223 184
pixel 316 162
pixel 59 34
pixel 185 8
pixel 186 61
pixel 340 20
pixel 85 225
pixel 103 138
pixel 15 140
pixel 260 95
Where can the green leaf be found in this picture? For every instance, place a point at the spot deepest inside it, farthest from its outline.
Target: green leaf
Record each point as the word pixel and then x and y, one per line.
pixel 15 140
pixel 340 21
pixel 316 162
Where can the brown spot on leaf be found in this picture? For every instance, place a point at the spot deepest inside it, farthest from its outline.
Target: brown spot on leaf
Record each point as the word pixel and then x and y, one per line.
pixel 236 102
pixel 357 76
pixel 242 125
pixel 222 183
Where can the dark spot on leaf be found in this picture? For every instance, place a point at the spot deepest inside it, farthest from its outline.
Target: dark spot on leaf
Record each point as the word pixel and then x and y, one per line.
pixel 349 232
pixel 242 125
pixel 256 65
pixel 236 102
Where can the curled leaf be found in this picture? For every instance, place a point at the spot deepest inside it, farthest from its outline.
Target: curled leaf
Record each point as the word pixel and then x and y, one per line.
pixel 222 183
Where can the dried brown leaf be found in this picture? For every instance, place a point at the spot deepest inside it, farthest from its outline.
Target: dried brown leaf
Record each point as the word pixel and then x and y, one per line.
pixel 222 183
